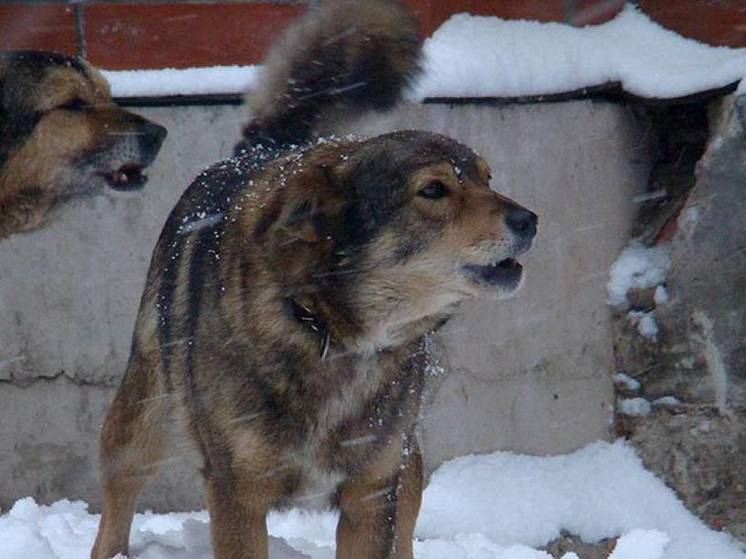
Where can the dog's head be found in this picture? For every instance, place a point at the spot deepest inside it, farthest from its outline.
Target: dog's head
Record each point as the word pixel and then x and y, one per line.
pixel 423 209
pixel 60 130
pixel 405 226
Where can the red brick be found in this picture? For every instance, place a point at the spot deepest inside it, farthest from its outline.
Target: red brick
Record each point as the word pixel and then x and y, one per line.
pixel 44 27
pixel 594 12
pixel 433 13
pixel 717 23
pixel 121 36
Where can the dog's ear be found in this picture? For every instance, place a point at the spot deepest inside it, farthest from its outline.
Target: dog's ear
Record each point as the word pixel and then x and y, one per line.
pixel 312 207
pixel 303 221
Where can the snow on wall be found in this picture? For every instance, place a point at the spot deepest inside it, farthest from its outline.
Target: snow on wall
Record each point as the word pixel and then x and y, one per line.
pixel 497 506
pixel 189 81
pixel 473 56
pixel 478 56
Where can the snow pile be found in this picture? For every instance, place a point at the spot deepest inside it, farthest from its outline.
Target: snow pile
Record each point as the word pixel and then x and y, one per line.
pixel 598 492
pixel 634 406
pixel 641 544
pixel 660 297
pixel 645 323
pixel 497 506
pixel 637 267
pixel 665 401
pixel 627 381
pixel 472 56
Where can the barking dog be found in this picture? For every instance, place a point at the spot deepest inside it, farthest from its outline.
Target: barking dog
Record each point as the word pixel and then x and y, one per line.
pixel 62 137
pixel 289 294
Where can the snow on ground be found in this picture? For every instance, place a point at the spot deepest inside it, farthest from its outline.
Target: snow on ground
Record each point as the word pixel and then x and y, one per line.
pixel 637 267
pixel 472 56
pixel 641 544
pixel 496 506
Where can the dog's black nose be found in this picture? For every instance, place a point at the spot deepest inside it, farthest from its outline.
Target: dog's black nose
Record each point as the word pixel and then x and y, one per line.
pixel 151 137
pixel 522 222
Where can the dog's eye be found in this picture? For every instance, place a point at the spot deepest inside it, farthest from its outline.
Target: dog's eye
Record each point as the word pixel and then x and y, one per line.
pixel 434 190
pixel 76 104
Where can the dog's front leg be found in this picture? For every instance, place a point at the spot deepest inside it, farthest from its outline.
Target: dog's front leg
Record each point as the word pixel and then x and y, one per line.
pixel 237 517
pixel 378 514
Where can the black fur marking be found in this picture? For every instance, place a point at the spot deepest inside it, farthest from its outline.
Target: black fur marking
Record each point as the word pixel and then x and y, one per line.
pixel 197 272
pixel 15 130
pixel 39 59
pixel 166 291
pixel 278 136
pixel 270 401
pixel 381 85
pixel 390 512
pixel 300 213
pixel 408 247
pixel 381 175
pixel 209 195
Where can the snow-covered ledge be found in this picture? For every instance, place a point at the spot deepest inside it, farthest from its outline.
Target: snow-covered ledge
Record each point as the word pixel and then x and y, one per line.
pixel 475 56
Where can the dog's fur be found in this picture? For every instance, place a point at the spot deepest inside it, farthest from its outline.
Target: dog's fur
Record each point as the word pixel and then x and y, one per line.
pixel 285 310
pixel 62 137
pixel 350 52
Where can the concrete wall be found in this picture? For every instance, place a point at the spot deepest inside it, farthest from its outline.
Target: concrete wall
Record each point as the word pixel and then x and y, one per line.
pixel 530 375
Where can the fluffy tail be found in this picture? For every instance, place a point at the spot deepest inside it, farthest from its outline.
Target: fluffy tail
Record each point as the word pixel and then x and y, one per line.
pixel 357 53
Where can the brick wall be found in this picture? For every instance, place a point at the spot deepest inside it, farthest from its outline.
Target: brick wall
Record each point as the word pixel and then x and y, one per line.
pixel 122 35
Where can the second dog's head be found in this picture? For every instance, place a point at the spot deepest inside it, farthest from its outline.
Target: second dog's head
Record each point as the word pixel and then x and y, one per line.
pixel 61 132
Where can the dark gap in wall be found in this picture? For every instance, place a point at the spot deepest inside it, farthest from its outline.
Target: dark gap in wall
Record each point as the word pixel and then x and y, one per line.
pixel 681 133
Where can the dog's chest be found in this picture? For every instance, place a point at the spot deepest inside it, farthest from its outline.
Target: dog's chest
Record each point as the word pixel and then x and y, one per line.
pixel 344 408
pixel 350 389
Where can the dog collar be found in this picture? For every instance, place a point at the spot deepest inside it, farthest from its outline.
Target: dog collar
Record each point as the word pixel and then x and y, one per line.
pixel 307 318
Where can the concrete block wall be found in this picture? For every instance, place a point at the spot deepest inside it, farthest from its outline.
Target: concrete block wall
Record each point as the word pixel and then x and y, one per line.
pixel 530 375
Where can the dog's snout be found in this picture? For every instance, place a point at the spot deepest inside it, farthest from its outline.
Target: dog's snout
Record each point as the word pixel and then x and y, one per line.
pixel 151 136
pixel 522 222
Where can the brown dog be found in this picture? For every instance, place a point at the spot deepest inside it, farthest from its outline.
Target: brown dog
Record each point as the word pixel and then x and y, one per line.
pixel 62 137
pixel 286 306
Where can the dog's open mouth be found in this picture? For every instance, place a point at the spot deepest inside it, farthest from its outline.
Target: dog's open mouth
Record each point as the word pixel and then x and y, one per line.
pixel 505 273
pixel 127 177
